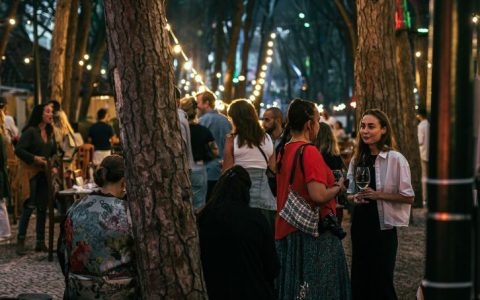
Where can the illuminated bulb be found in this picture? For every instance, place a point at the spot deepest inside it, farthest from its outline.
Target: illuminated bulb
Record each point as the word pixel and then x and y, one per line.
pixel 177 49
pixel 475 19
pixel 12 21
pixel 268 60
pixel 258 87
pixel 168 27
pixel 254 82
pixel 418 54
pixel 219 105
pixel 263 74
pixel 186 88
pixel 415 90
pixel 261 81
pixel 353 104
pixel 269 52
pixel 187 95
pixel 192 75
pixel 241 78
pixel 262 105
pixel 103 71
pixel 416 107
pixel 26 60
pixel 198 78
pixel 301 15
pixel 194 94
pixel 235 80
pixel 187 83
pixel 201 89
pixel 219 75
pixel 81 63
pixel 252 98
pixel 256 93
pixel 89 67
pixel 4 57
pixel 29 22
pixel 270 44
pixel 86 57
pixel 182 81
pixel 429 65
pixel 187 65
pixel 264 67
pixel 319 107
pixel 273 35
pixel 221 88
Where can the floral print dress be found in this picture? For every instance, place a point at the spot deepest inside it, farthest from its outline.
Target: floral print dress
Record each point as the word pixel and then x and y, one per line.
pixel 97 247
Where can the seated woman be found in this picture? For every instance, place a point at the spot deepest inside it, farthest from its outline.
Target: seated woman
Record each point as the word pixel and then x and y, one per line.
pixel 96 243
pixel 237 248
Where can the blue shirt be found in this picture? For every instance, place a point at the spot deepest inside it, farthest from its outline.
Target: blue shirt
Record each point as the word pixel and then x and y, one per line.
pixel 219 127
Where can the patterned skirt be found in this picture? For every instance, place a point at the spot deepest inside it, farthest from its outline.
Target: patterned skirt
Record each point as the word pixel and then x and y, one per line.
pixel 312 268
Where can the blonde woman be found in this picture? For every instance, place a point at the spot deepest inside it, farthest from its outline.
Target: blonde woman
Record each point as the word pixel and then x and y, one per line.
pixel 4 185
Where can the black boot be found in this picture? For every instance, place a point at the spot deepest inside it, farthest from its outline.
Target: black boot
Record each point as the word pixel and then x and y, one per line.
pixel 20 250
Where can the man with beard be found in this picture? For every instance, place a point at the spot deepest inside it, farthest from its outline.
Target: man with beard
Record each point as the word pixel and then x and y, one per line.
pixel 272 122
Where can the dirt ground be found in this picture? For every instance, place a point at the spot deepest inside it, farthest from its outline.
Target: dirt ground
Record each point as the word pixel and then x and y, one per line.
pixel 410 264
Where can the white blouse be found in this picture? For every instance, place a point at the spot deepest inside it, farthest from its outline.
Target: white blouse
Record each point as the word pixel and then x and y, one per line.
pixel 252 157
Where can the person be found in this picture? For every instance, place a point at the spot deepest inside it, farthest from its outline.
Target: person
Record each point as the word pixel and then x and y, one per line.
pixel 101 136
pixel 423 131
pixel 327 118
pixel 272 122
pixel 34 149
pixel 219 127
pixel 5 231
pixel 326 143
pixel 379 209
pixel 250 147
pixel 96 251
pixel 12 134
pixel 184 129
pixel 237 249
pixel 311 267
pixel 203 148
pixel 339 131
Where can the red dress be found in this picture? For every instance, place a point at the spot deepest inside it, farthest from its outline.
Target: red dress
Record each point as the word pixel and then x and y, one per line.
pixel 315 169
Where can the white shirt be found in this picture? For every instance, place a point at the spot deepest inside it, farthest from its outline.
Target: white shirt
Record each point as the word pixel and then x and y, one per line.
pixel 252 157
pixel 392 175
pixel 423 138
pixel 185 131
pixel 12 130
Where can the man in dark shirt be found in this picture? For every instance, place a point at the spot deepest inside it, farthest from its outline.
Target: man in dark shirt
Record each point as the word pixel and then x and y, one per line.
pixel 101 136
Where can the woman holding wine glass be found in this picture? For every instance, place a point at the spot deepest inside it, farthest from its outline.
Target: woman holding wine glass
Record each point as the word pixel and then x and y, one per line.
pixel 380 187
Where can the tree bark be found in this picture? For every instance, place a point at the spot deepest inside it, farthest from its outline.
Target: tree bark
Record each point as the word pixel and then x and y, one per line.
pixel 83 30
pixel 242 85
pixel 70 56
pixel 407 137
pixel 58 49
pixel 167 248
pixel 232 51
pixel 12 14
pixel 98 53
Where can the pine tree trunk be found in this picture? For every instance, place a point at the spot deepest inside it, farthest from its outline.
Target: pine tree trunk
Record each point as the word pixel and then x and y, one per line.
pixel 82 41
pixel 70 56
pixel 232 51
pixel 12 14
pixel 58 50
pixel 242 85
pixel 167 248
pixel 407 138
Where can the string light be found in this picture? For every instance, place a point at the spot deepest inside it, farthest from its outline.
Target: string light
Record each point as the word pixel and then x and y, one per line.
pixel 418 54
pixel 103 71
pixel 86 57
pixel 12 21
pixel 89 67
pixel 27 60
pixel 81 62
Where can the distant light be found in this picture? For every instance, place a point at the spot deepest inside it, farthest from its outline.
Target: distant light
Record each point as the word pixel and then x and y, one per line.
pixel 12 21
pixel 353 104
pixel 221 88
pixel 201 89
pixel 219 75
pixel 416 107
pixel 177 49
pixel 186 88
pixel 319 107
pixel 81 62
pixel 235 80
pixel 429 65
pixel 254 82
pixel 273 35
pixel 306 25
pixel 415 90
pixel 194 94
pixel 262 105
pixel 264 67
pixel 26 60
pixel 475 19
pixel 301 15
pixel 103 71
pixel 86 57
pixel 219 105
pixel 269 52
pixel 29 22
pixel 268 60
pixel 4 57
pixel 241 78
pixel 270 44
pixel 422 30
pixel 167 27
pixel 89 67
pixel 252 98
pixel 192 75
pixel 262 74
pixel 198 78
pixel 187 65
pixel 95 84
pixel 256 93
pixel 258 87
pixel 418 54
pixel 261 81
pixel 182 81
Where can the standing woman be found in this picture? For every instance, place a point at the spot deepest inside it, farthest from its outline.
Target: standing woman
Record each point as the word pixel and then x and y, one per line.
pixel 4 183
pixel 312 267
pixel 35 147
pixel 382 207
pixel 250 147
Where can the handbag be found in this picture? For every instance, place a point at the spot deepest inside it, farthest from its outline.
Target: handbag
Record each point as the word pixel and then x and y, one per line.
pixel 271 176
pixel 297 211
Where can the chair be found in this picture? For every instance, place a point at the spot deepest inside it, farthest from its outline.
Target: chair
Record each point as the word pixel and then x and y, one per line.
pixel 84 158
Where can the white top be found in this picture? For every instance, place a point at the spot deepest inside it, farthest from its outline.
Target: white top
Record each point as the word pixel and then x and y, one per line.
pixel 252 157
pixel 392 175
pixel 12 130
pixel 423 138
pixel 185 131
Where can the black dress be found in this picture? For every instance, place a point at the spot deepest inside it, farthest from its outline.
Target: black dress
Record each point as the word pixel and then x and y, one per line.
pixel 373 251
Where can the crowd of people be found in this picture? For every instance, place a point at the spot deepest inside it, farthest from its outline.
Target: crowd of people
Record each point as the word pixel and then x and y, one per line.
pixel 268 196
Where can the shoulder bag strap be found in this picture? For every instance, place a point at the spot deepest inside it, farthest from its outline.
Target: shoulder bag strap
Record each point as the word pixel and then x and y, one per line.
pixel 298 153
pixel 265 157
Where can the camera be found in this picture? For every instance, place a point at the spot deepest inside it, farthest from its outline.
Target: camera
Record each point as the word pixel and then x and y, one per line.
pixel 330 222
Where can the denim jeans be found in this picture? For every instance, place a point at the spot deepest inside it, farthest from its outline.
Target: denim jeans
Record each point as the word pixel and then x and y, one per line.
pixel 38 200
pixel 199 185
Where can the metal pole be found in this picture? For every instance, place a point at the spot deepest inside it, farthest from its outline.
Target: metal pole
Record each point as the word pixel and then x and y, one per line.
pixel 36 57
pixel 449 261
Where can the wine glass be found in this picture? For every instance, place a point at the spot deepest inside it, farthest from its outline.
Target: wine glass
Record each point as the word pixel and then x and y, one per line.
pixel 362 178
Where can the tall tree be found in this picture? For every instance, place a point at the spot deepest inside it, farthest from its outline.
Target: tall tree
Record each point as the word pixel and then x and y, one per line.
pixel 70 56
pixel 377 82
pixel 165 232
pixel 58 49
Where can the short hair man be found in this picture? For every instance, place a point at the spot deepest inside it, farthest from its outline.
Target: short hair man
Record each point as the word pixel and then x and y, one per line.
pixel 423 131
pixel 219 126
pixel 12 130
pixel 272 122
pixel 101 135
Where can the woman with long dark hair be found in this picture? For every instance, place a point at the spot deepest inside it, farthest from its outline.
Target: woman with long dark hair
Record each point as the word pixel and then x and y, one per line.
pixel 237 249
pixel 313 264
pixel 380 208
pixel 250 147
pixel 35 147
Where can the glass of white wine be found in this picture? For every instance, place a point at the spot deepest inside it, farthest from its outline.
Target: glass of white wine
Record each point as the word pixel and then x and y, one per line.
pixel 362 178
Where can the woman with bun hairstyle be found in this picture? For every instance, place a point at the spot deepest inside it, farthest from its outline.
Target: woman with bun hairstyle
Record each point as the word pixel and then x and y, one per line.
pixel 96 243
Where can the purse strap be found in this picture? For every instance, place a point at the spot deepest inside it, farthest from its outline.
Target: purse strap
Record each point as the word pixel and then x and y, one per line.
pixel 265 157
pixel 298 154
